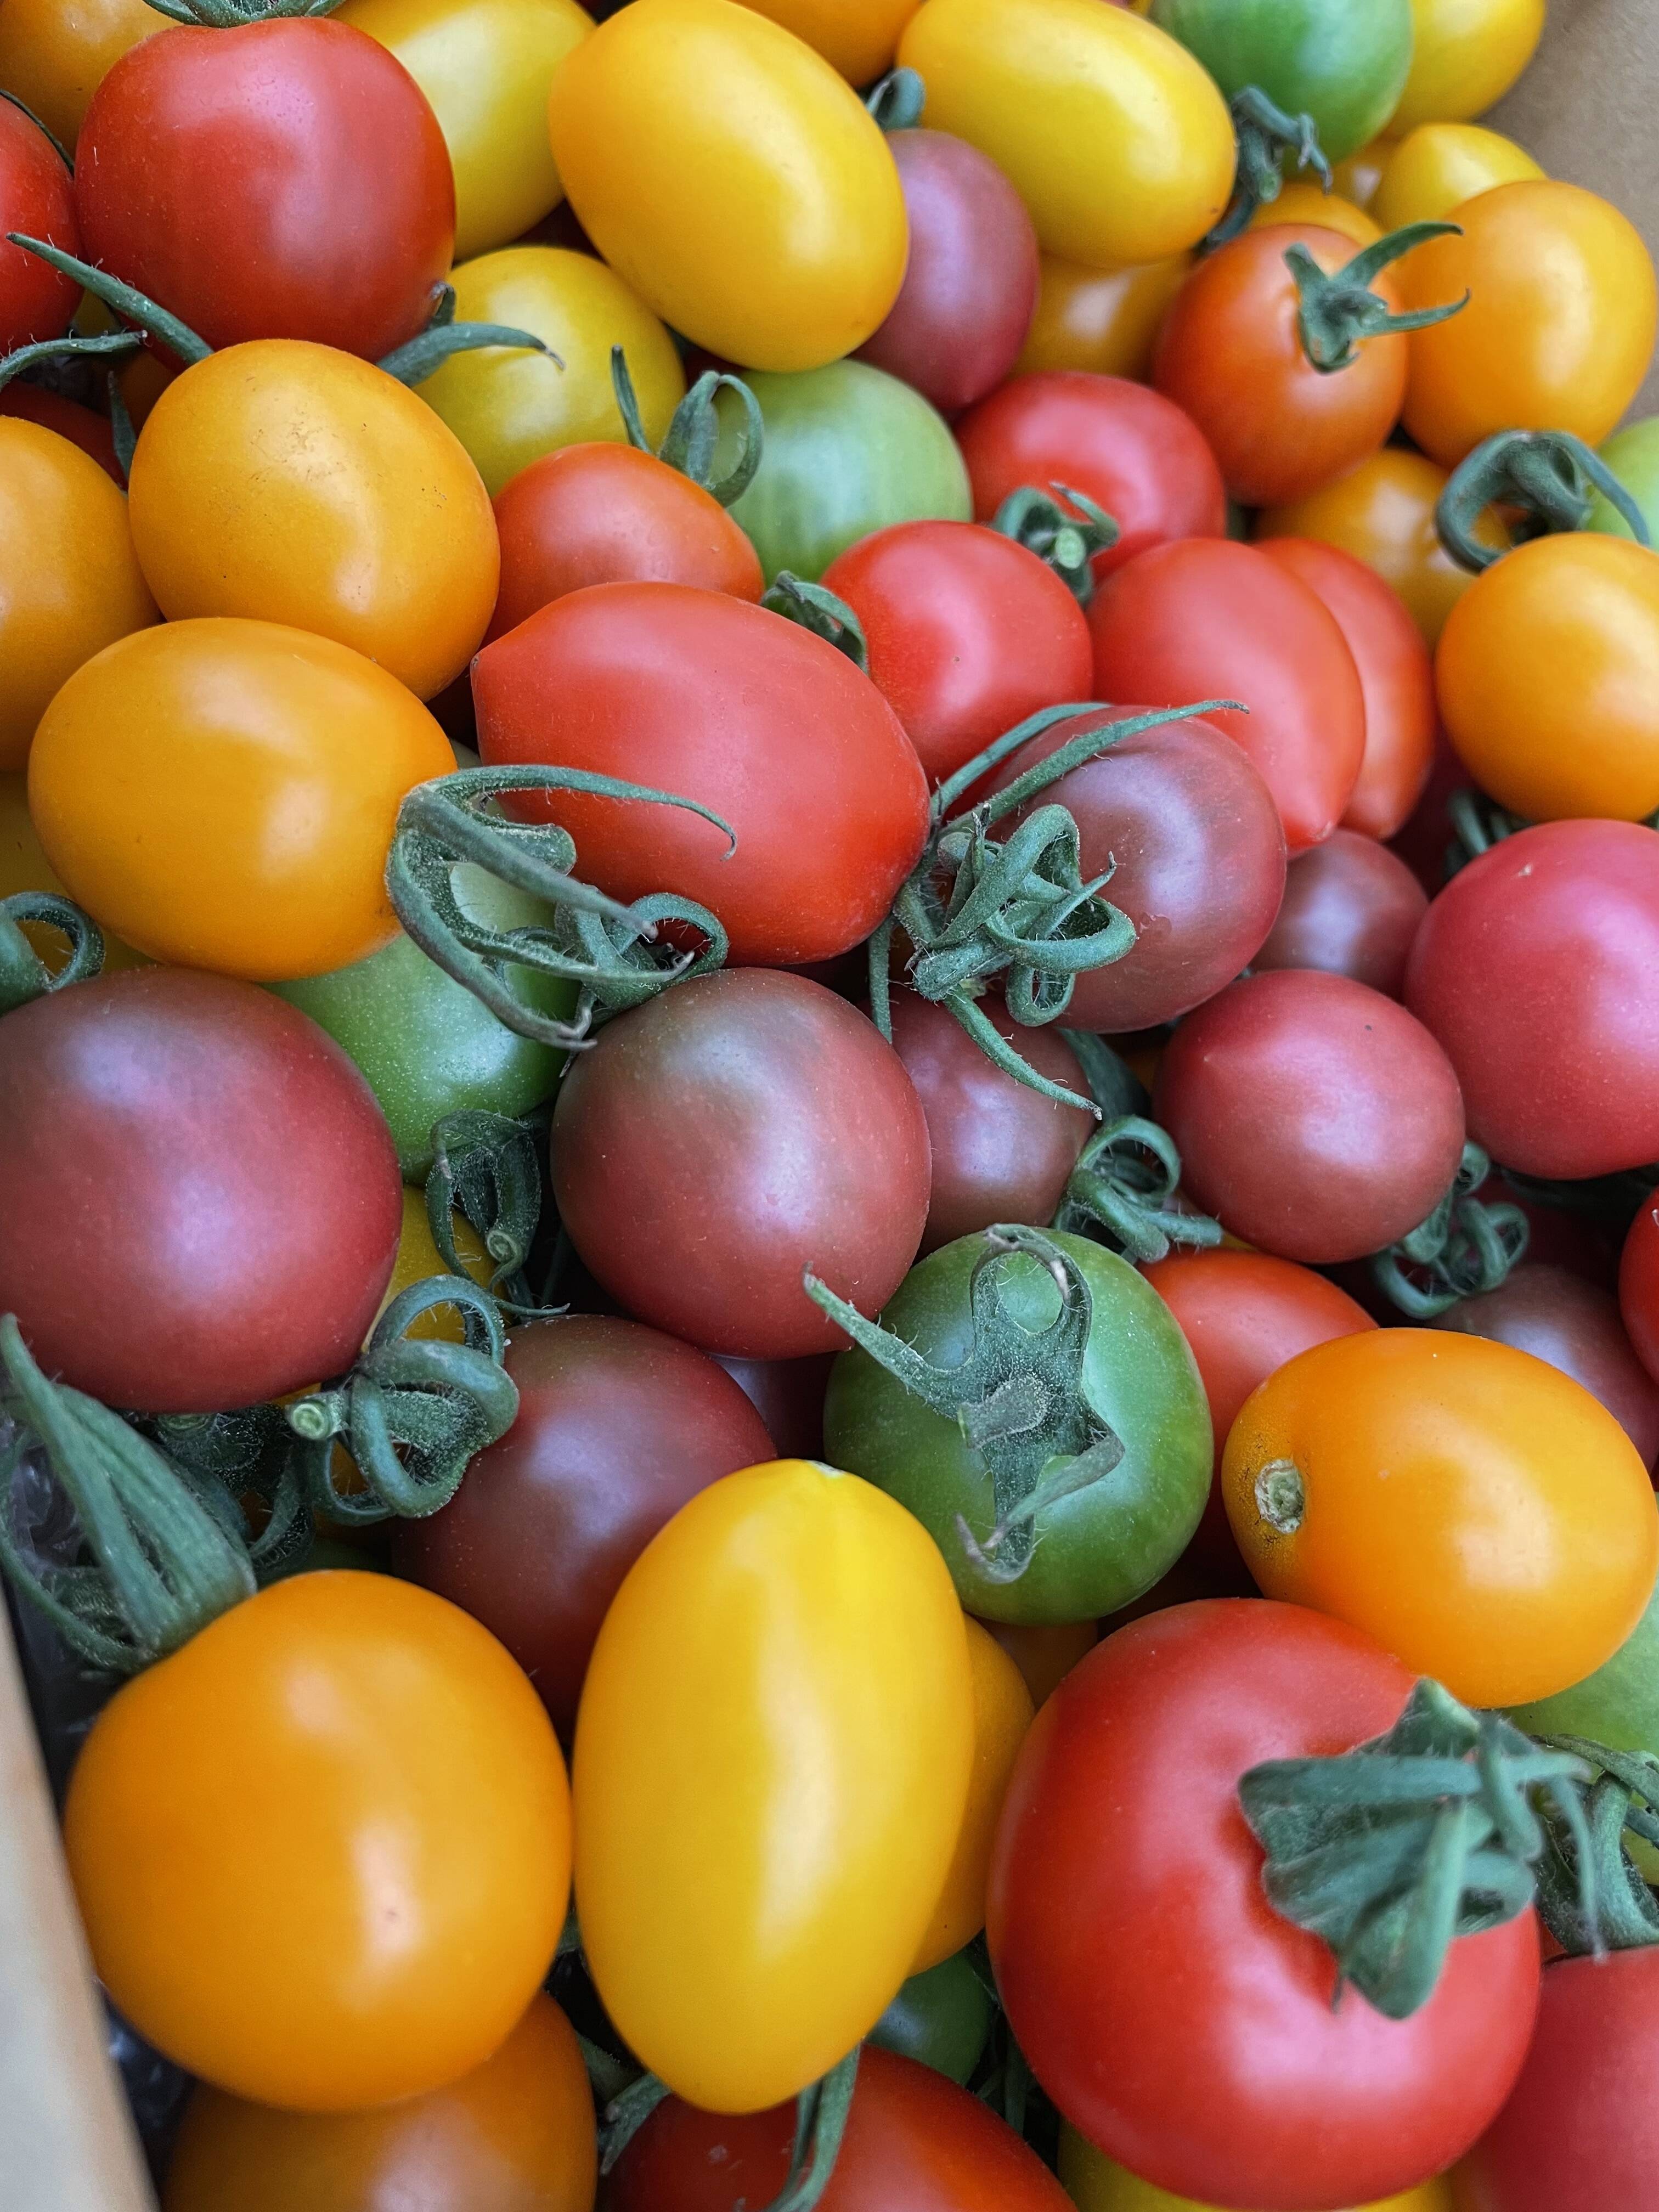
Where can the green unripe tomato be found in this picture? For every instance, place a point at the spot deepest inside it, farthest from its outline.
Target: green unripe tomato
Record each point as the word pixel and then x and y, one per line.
pixel 940 2017
pixel 1632 455
pixel 1343 61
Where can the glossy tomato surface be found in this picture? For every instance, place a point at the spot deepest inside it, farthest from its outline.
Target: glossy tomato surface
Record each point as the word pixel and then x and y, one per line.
pixel 1003 1707
pixel 1350 907
pixel 37 197
pixel 1638 1283
pixel 1104 319
pixel 1346 67
pixel 54 62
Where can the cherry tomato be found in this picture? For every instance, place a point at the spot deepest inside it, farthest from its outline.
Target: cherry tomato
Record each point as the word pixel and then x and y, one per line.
pixel 1344 66
pixel 25 867
pixel 617 1427
pixel 767 224
pixel 1535 967
pixel 33 403
pixel 69 580
pixel 223 793
pixel 1439 166
pixel 486 67
pixel 1096 2183
pixel 857 37
pixel 783 1678
pixel 696 693
pixel 282 179
pixel 1118 141
pixel 1352 907
pixel 1107 1886
pixel 1102 319
pixel 37 196
pixel 1632 455
pixel 1311 204
pixel 1045 1652
pixel 53 57
pixel 1638 1285
pixel 1465 54
pixel 1473 1508
pixel 788 1395
pixel 1129 449
pixel 968 632
pixel 1207 619
pixel 516 2131
pixel 1558 331
pixel 1315 1116
pixel 1003 1709
pixel 419 1259
pixel 941 2018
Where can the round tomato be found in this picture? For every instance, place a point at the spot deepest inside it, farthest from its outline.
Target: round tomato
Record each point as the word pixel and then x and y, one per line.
pixel 1107 1885
pixel 1096 2183
pixel 941 2018
pixel 292 483
pixel 1465 54
pixel 1559 330
pixel 25 867
pixel 968 634
pixel 1003 1709
pixel 1102 319
pixel 1537 968
pixel 766 223
pixel 280 180
pixel 617 1427
pixel 168 775
pixel 1118 141
pixel 1352 907
pixel 1344 65
pixel 69 580
pixel 1208 619
pixel 202 1202
pixel 37 196
pixel 54 58
pixel 753 1927
pixel 857 37
pixel 697 693
pixel 1439 166
pixel 1301 203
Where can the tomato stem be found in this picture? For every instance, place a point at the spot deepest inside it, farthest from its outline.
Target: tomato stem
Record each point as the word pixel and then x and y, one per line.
pixel 820 611
pixel 1265 134
pixel 896 101
pixel 487 1165
pixel 693 430
pixel 231 14
pixel 1339 311
pixel 443 338
pixel 47 132
pixel 121 298
pixel 1550 474
pixel 1466 1247
pixel 1624 1799
pixel 23 975
pixel 1067 544
pixel 1122 1191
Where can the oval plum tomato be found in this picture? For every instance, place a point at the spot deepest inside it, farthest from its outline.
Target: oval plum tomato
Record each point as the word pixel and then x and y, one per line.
pixel 1003 1709
pixel 1559 330
pixel 292 483
pixel 485 66
pixel 282 179
pixel 1315 1116
pixel 69 580
pixel 1230 353
pixel 387 1749
pixel 1474 1508
pixel 223 793
pixel 970 283
pixel 1352 907
pixel 516 2131
pixel 509 406
pixel 601 513
pixel 847 450
pixel 1638 1283
pixel 1097 2184
pixel 1001 1151
pixel 1305 204
pixel 968 633
pixel 1574 1325
pixel 767 225
pixel 913 2139
pixel 941 2018
pixel 758 1110
pixel 856 37
pixel 33 403
pixel 783 1677
pixel 1537 968
pixel 1132 451
pixel 54 59
pixel 788 1395
pixel 1207 619
pixel 1465 57
pixel 1344 66
pixel 202 1202
pixel 1106 1883
pixel 1118 141
pixel 1547 671
pixel 698 693
pixel 37 196
pixel 1104 320
pixel 1396 676
pixel 1439 166
pixel 617 1427
pixel 1192 838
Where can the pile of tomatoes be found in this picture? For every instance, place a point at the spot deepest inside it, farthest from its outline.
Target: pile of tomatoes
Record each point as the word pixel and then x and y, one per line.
pixel 829 1100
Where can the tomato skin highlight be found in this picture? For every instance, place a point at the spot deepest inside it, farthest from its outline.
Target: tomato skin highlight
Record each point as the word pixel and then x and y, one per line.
pixel 1003 1711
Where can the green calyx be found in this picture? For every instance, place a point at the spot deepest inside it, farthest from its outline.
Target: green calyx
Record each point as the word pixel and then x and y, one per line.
pixel 1122 1190
pixel 1591 1895
pixel 23 975
pixel 444 337
pixel 1391 1852
pixel 107 345
pixel 1017 1398
pixel 693 430
pixel 611 950
pixel 1476 824
pixel 1067 544
pixel 896 100
pixel 1466 1247
pixel 820 611
pixel 1549 474
pixel 123 300
pixel 1266 134
pixel 230 14
pixel 821 2111
pixel 486 1167
pixel 1339 311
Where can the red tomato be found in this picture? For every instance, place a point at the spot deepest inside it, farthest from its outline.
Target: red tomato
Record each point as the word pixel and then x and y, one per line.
pixel 1537 968
pixel 33 403
pixel 968 633
pixel 1352 908
pixel 1172 2015
pixel 282 179
pixel 1396 675
pixel 1638 1283
pixel 1208 619
pixel 37 197
pixel 697 693
pixel 1129 449
pixel 610 515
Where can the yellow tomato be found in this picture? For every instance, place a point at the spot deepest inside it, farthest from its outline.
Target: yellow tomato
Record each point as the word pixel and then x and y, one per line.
pixel 292 483
pixel 54 56
pixel 1440 166
pixel 1383 512
pixel 486 67
pixel 1558 331
pixel 508 405
pixel 733 180
pixel 857 37
pixel 223 793
pixel 1298 203
pixel 772 1759
pixel 1472 1507
pixel 418 1258
pixel 1116 139
pixel 1095 2184
pixel 69 580
pixel 1466 54
pixel 1357 178
pixel 25 867
pixel 1003 1711
pixel 1104 319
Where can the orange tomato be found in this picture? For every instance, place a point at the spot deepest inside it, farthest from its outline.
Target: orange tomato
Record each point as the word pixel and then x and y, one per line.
pixel 1104 320
pixel 1003 1711
pixel 55 56
pixel 25 867
pixel 857 37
